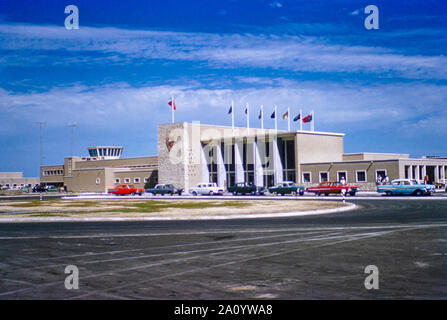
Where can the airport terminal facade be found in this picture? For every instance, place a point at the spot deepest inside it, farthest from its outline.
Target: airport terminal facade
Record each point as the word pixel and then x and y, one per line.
pixel 192 153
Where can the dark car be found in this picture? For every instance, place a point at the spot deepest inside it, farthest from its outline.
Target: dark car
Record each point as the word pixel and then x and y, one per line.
pixel 164 189
pixel 246 188
pixel 287 187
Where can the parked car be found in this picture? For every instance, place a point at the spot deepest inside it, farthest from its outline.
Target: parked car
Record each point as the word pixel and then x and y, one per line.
pixel 26 189
pixel 246 188
pixel 51 188
pixel 164 189
pixel 406 186
pixel 124 189
pixel 332 187
pixel 39 188
pixel 206 188
pixel 287 187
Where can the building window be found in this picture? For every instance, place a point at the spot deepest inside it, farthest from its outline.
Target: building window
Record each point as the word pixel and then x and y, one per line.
pixel 307 177
pixel 380 174
pixel 136 180
pixel 126 180
pixel 360 176
pixel 324 176
pixel 341 175
pixel 98 180
pixel 117 180
pixel 146 179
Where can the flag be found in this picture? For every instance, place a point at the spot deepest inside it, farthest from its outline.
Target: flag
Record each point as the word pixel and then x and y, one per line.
pixel 231 110
pixel 285 115
pixel 172 104
pixel 260 114
pixel 246 110
pixel 307 118
pixel 273 115
pixel 298 117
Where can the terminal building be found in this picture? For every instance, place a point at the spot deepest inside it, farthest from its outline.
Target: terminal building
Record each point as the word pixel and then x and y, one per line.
pixel 192 153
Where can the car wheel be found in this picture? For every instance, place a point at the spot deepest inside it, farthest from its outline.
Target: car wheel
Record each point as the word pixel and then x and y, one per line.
pixel 194 193
pixel 418 193
pixel 388 193
pixel 352 193
pixel 301 193
pixel 234 193
pixel 211 193
pixel 132 193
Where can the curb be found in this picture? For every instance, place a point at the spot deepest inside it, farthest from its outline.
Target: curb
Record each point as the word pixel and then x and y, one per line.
pixel 350 206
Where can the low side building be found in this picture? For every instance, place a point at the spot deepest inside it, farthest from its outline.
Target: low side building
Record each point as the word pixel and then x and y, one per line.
pixel 97 174
pixel 14 180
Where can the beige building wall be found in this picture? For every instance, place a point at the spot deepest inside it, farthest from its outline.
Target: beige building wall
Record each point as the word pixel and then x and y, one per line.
pixel 16 178
pixel 373 156
pixel 391 167
pixel 52 174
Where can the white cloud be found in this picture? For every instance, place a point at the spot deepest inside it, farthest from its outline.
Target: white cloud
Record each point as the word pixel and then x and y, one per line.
pixel 344 108
pixel 275 4
pixel 289 52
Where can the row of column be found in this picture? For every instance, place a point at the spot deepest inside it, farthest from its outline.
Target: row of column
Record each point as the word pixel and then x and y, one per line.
pixel 439 172
pixel 258 169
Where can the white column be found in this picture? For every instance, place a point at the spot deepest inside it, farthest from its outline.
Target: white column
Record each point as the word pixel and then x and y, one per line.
pixel 417 173
pixel 424 171
pixel 239 169
pixel 221 172
pixel 205 171
pixel 277 165
pixel 258 171
pixel 436 174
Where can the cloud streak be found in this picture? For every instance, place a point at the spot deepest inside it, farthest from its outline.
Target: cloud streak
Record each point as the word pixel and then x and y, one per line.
pixel 226 51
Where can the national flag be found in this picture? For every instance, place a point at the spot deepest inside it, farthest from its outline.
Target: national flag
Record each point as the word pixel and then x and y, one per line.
pixel 172 104
pixel 307 118
pixel 285 115
pixel 246 110
pixel 273 115
pixel 260 114
pixel 298 117
pixel 231 110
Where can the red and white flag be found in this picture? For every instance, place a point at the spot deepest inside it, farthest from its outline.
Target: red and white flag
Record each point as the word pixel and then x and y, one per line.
pixel 172 104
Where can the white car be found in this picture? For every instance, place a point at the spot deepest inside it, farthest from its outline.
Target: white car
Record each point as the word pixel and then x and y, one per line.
pixel 206 188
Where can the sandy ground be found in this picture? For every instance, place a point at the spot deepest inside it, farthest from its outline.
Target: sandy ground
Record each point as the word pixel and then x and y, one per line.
pixel 138 208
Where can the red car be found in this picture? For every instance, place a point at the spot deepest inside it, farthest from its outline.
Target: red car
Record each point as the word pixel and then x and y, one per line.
pixel 329 187
pixel 124 189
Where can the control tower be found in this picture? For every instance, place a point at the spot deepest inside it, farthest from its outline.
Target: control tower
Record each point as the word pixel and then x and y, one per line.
pixel 105 152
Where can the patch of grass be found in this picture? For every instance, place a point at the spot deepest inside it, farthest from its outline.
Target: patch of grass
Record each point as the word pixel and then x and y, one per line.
pixel 45 214
pixel 155 206
pixel 83 204
pixel 29 204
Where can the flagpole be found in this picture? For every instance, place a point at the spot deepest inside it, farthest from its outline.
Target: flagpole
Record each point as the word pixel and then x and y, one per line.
pixel 288 119
pixel 276 120
pixel 312 125
pixel 172 109
pixel 248 119
pixel 301 120
pixel 232 115
pixel 262 117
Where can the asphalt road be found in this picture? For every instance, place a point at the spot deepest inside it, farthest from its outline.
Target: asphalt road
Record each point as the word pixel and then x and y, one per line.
pixel 313 257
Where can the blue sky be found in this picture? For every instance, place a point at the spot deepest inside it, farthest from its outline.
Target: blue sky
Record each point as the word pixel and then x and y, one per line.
pixel 385 88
